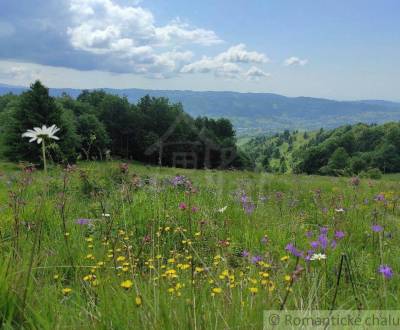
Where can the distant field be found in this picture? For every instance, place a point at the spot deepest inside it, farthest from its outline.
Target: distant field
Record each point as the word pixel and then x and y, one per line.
pixel 113 246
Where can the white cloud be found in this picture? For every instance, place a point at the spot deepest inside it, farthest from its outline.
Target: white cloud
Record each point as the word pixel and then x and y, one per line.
pixel 239 54
pixel 130 35
pixel 19 73
pixel 295 61
pixel 255 73
pixel 226 64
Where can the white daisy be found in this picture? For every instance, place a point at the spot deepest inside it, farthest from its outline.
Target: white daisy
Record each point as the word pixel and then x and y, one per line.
pixel 318 256
pixel 222 210
pixel 38 134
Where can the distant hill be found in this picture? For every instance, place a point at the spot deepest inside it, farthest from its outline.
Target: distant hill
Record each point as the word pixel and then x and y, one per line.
pixel 347 150
pixel 262 112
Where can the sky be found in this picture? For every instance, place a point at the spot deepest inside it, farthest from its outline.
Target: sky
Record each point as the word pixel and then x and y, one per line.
pixel 338 49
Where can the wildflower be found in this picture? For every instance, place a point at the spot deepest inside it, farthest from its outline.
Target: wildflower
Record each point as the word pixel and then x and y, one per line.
pixel 105 215
pixel 38 134
pixel 138 301
pixel 292 249
pixel 309 234
pixel 245 254
pixel 380 197
pixel 339 210
pixel 323 230
pixel 287 278
pixel 339 234
pixel 126 284
pixel 256 259
pixel 182 206
pixel 386 271
pixel 314 244
pixel 323 241
pixel 66 291
pixel 253 290
pixel 318 256
pixel 216 290
pixel 223 209
pixel 195 209
pixel 264 240
pixel 83 221
pixel 376 228
pixel 284 258
pixel 56 277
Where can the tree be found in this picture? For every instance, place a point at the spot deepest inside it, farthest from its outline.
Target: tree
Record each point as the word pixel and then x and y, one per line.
pixel 339 159
pixel 35 108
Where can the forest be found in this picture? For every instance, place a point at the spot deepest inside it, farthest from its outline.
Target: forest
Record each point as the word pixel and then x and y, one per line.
pixel 361 149
pixel 97 125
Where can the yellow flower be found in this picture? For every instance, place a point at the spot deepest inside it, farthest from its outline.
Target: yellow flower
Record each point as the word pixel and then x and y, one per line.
pixel 216 290
pixel 66 291
pixel 89 239
pixel 287 278
pixel 253 290
pixel 56 276
pixel 127 284
pixel 284 258
pixel 170 273
pixel 198 269
pixel 121 258
pixel 138 301
pixel 89 278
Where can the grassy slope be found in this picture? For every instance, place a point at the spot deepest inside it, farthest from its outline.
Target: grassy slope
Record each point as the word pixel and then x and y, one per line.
pixel 151 210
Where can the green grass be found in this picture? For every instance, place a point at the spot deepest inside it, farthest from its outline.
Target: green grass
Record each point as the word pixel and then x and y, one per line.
pixel 175 258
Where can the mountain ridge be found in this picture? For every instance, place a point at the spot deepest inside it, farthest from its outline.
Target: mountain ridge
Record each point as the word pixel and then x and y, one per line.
pixel 258 112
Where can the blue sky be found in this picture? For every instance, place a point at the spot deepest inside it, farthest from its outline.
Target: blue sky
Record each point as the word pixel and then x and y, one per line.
pixel 342 49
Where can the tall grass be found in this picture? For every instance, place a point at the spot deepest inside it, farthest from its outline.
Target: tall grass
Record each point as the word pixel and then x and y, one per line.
pixel 118 247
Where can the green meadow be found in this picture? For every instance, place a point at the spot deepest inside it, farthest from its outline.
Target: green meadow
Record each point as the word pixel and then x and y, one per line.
pixel 124 246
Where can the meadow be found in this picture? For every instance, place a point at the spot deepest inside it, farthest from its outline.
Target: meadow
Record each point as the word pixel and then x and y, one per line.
pixel 125 246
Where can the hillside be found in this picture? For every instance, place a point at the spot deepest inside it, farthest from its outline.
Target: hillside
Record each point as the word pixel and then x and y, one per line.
pixel 261 112
pixel 348 150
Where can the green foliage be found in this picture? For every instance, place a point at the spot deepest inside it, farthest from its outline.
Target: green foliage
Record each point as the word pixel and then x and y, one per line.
pixel 347 150
pixel 97 124
pixel 35 108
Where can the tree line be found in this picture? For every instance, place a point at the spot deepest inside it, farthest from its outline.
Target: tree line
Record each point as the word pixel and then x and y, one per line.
pixel 362 149
pixel 97 125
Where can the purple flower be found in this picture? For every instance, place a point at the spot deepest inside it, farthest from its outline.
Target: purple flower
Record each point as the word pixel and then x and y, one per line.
pixel 314 244
pixel 323 230
pixel 339 234
pixel 379 197
pixel 323 241
pixel 83 222
pixel 256 259
pixel 309 234
pixel 249 207
pixel 182 206
pixel 377 228
pixel 386 271
pixel 245 254
pixel 309 254
pixel 292 249
pixel 195 209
